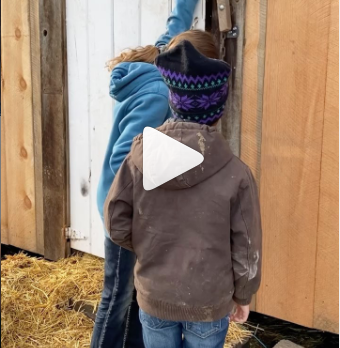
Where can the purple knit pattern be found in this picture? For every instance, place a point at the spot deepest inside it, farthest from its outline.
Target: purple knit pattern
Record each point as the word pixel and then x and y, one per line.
pixel 208 120
pixel 203 101
pixel 200 119
pixel 211 119
pixel 190 79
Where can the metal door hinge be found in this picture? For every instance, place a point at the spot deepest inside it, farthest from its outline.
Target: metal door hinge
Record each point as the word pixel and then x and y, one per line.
pixel 73 234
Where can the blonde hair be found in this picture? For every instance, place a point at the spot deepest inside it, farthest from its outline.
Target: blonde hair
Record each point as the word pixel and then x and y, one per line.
pixel 202 40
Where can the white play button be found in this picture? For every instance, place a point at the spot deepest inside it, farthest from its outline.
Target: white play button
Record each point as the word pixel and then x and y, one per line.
pixel 165 158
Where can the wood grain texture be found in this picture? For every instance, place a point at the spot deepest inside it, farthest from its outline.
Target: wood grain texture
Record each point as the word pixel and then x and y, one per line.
pixel 224 15
pixel 17 100
pixel 326 307
pixel 4 212
pixel 294 93
pixel 54 126
pixel 252 89
pixel 231 120
pixel 253 83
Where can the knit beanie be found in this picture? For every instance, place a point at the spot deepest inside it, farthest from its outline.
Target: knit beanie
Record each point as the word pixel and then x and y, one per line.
pixel 198 85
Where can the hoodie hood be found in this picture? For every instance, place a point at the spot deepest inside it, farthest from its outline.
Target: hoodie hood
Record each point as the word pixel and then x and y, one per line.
pixel 206 140
pixel 128 78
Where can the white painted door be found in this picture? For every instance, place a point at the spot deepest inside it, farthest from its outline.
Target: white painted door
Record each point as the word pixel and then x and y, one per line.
pixel 96 32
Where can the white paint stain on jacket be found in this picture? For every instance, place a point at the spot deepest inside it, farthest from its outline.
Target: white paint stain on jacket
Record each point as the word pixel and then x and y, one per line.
pixel 253 267
pixel 201 142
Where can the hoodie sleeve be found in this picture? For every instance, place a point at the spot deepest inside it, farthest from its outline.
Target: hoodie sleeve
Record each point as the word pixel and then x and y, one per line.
pixel 118 208
pixel 179 21
pixel 147 110
pixel 246 241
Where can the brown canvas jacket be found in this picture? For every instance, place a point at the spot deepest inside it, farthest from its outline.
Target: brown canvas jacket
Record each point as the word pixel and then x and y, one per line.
pixel 197 237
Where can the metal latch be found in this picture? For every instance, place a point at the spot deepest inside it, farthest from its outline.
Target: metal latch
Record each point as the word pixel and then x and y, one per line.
pixel 224 15
pixel 73 234
pixel 233 33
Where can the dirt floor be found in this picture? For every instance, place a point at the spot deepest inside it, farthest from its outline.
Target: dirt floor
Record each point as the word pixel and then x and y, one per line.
pixel 272 330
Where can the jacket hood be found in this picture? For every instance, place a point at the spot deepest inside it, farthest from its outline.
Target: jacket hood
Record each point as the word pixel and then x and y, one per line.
pixel 206 140
pixel 128 78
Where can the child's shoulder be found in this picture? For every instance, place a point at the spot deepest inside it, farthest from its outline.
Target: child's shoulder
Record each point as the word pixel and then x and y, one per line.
pixel 241 170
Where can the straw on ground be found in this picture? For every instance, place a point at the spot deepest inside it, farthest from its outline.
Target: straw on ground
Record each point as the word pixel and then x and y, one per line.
pixel 37 297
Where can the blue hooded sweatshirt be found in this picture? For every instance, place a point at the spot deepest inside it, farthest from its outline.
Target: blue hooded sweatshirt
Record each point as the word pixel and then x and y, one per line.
pixel 141 100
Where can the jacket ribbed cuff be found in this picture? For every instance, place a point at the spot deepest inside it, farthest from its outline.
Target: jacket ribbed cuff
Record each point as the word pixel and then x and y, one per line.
pixel 242 302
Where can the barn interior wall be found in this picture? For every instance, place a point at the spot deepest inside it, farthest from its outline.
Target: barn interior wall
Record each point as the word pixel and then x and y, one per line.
pixel 289 138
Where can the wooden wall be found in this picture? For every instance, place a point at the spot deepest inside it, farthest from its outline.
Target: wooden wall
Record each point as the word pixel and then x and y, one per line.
pixel 18 223
pixel 289 137
pixel 33 126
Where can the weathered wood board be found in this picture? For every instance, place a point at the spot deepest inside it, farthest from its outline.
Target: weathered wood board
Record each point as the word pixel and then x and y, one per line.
pixel 54 126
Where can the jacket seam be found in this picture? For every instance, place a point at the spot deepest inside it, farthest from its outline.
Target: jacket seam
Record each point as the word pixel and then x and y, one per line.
pixel 114 204
pixel 248 260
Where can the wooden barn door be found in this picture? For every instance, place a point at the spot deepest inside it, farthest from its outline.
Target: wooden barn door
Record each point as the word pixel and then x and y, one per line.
pixel 96 32
pixel 290 128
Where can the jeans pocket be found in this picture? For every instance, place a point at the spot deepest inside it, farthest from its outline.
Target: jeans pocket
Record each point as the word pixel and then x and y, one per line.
pixel 153 322
pixel 202 329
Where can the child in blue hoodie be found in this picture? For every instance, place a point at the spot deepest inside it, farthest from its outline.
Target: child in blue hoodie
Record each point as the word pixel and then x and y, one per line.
pixel 141 100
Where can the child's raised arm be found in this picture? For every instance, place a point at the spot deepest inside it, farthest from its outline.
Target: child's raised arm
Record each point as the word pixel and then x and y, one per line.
pixel 179 21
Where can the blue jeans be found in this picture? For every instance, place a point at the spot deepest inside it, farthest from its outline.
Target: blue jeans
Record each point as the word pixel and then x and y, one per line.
pixel 117 322
pixel 159 333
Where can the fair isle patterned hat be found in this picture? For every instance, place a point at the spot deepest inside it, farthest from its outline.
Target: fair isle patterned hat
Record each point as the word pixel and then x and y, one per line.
pixel 198 85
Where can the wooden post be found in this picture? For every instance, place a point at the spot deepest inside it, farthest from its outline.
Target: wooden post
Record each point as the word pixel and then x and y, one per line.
pixel 54 135
pixel 231 123
pixel 231 50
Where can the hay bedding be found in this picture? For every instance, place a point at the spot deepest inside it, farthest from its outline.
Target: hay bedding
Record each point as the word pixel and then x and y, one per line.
pixel 36 297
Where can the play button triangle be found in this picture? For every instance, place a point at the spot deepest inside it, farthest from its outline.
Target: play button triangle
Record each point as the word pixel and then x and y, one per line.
pixel 165 158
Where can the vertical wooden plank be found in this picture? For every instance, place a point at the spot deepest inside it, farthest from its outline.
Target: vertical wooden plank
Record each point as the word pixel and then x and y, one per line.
pixel 37 121
pixel 4 212
pixel 153 20
pixel 326 306
pixel 252 88
pixel 17 100
pixel 54 125
pixel 231 121
pixel 79 124
pixel 100 41
pixel 294 93
pixel 126 36
pixel 253 83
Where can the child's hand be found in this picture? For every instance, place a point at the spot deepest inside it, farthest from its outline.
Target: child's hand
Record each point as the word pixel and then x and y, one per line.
pixel 240 314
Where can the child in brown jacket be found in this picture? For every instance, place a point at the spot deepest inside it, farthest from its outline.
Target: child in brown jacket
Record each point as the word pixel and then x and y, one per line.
pixel 198 236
